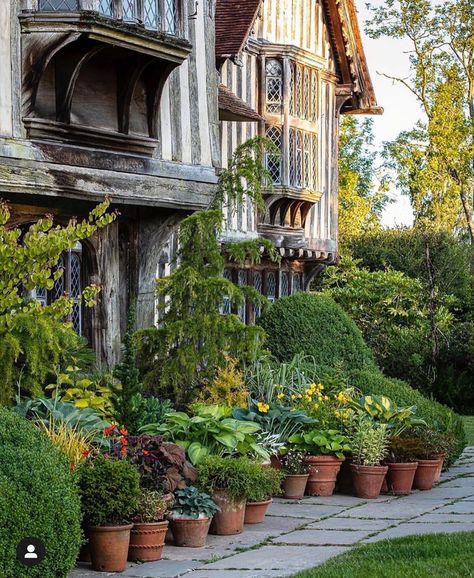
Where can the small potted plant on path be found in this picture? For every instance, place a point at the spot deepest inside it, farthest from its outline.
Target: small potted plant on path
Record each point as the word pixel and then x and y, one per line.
pixel 109 491
pixel 369 440
pixel 402 465
pixel 325 454
pixel 191 517
pixel 428 445
pixel 263 484
pixel 229 482
pixel 296 475
pixel 147 537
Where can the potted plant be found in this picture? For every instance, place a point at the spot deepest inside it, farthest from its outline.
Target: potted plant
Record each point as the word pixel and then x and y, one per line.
pixel 147 536
pixel 325 454
pixel 109 491
pixel 296 475
pixel 191 517
pixel 402 465
pixel 428 444
pixel 230 483
pixel 263 483
pixel 369 440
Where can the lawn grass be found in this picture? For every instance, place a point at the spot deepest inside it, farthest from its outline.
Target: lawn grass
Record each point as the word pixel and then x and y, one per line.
pixel 430 556
pixel 469 428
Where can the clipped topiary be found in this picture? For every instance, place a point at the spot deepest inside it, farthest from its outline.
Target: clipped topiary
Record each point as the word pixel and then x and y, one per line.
pixel 38 499
pixel 314 325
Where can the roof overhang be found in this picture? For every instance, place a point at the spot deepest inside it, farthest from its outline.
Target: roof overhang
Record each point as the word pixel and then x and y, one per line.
pixel 233 108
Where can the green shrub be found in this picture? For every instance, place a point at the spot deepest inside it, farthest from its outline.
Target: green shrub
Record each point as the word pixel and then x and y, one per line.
pixel 241 478
pixel 436 415
pixel 110 491
pixel 316 326
pixel 38 499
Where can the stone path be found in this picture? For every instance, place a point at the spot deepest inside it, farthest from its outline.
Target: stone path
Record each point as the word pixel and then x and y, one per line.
pixel 301 535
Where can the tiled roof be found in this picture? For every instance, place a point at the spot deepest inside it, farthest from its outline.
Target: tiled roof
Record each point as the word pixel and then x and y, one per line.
pixel 234 21
pixel 231 107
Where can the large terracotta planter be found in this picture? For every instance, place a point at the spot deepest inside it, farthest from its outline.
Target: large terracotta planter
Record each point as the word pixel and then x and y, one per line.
pixel 147 541
pixel 368 480
pixel 400 477
pixel 255 512
pixel 425 474
pixel 294 486
pixel 109 547
pixel 344 484
pixel 323 472
pixel 440 458
pixel 190 532
pixel 230 519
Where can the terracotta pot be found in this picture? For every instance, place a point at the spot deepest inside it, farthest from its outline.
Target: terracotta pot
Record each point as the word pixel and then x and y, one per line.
pixel 230 520
pixel 323 472
pixel 255 511
pixel 189 532
pixel 275 462
pixel 425 474
pixel 400 477
pixel 294 486
pixel 109 547
pixel 344 482
pixel 368 480
pixel 147 541
pixel 384 489
pixel 441 458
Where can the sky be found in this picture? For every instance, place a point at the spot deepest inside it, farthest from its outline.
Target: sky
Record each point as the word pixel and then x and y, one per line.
pixel 401 109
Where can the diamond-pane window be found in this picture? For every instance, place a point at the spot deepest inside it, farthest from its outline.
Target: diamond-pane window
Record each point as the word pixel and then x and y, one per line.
pixel 314 162
pixel 274 85
pixel 242 309
pixel 314 97
pixel 150 14
pixel 58 288
pixel 292 88
pixel 258 284
pixel 273 160
pixel 106 7
pixel 271 286
pixel 170 16
pixel 298 91
pixel 130 10
pixel 305 97
pixel 58 5
pixel 284 284
pixel 306 137
pixel 297 282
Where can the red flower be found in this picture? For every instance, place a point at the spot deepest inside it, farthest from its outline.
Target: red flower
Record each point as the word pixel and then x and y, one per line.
pixel 85 454
pixel 124 441
pixel 123 431
pixel 145 452
pixel 109 430
pixel 72 466
pixel 123 450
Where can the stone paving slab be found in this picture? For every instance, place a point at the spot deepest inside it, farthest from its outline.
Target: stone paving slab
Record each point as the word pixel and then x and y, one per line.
pixel 440 493
pixel 463 507
pixel 162 568
pixel 323 537
pixel 303 510
pixel 396 510
pixel 443 518
pixel 351 524
pixel 272 557
pixel 238 574
pixel 414 529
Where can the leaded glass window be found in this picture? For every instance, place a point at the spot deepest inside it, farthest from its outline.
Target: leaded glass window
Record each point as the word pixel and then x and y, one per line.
pixel 284 284
pixel 274 85
pixel 242 309
pixel 303 159
pixel 150 14
pixel 297 282
pixel 130 10
pixel 271 286
pixel 106 7
pixel 303 85
pixel 226 307
pixel 170 16
pixel 58 5
pixel 258 285
pixel 273 160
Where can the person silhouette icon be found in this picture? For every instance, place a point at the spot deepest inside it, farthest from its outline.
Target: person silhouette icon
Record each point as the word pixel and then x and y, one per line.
pixel 31 552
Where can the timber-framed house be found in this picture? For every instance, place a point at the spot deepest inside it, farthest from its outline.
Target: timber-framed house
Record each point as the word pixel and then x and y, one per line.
pixel 145 100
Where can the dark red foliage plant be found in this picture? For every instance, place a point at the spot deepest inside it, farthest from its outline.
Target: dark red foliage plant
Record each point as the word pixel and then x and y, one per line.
pixel 161 465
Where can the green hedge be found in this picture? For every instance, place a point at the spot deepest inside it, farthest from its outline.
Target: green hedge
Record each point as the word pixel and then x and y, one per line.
pixel 38 499
pixel 315 325
pixel 435 414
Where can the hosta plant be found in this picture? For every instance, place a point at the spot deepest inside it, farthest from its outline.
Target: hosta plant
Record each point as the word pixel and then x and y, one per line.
pixel 321 442
pixel 191 503
pixel 210 431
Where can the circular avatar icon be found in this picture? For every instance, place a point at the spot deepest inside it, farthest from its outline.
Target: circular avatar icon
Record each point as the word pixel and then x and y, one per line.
pixel 30 551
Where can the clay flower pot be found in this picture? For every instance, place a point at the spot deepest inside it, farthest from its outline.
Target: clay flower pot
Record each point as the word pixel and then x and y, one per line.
pixel 400 477
pixel 368 480
pixel 425 474
pixel 255 512
pixel 294 486
pixel 441 458
pixel 190 532
pixel 344 482
pixel 323 472
pixel 147 541
pixel 109 547
pixel 230 519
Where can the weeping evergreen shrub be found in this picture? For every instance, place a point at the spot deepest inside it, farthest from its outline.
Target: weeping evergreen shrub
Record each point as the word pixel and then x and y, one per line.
pixel 314 325
pixel 39 499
